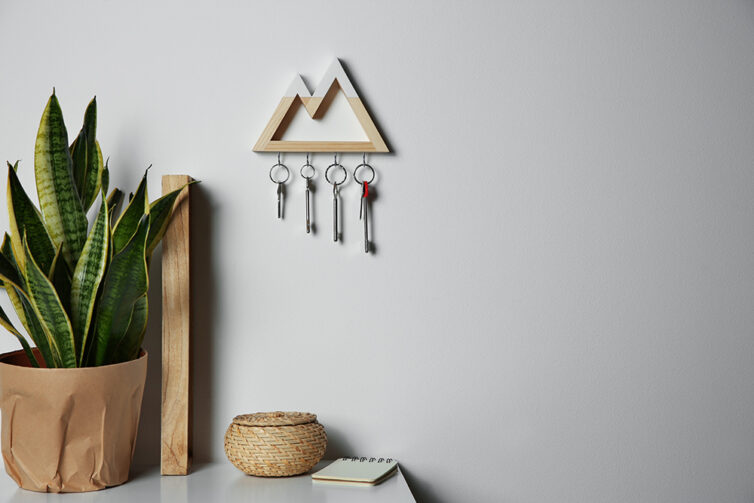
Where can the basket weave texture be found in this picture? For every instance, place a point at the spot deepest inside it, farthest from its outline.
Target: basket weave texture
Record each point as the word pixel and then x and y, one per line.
pixel 275 444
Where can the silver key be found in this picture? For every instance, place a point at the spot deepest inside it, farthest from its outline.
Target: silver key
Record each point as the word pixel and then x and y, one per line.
pixel 364 202
pixel 306 168
pixel 276 172
pixel 280 200
pixel 335 212
pixel 308 223
pixel 335 183
pixel 364 212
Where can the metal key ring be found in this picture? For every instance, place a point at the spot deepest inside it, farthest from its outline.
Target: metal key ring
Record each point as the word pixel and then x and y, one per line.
pixel 327 174
pixel 356 172
pixel 287 172
pixel 307 165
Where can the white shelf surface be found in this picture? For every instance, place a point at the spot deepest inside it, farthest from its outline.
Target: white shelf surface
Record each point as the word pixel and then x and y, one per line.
pixel 218 482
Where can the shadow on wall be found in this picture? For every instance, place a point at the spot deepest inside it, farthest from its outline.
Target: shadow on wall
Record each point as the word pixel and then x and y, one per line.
pixel 338 445
pixel 203 303
pixel 420 488
pixel 203 306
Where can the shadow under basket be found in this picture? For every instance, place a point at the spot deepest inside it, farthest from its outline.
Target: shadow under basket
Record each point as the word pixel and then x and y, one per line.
pixel 275 444
pixel 69 430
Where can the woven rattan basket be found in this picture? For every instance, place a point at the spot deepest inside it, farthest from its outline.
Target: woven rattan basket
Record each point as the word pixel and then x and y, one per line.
pixel 275 444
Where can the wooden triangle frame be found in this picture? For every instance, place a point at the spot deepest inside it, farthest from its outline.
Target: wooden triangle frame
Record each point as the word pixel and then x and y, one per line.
pixel 316 105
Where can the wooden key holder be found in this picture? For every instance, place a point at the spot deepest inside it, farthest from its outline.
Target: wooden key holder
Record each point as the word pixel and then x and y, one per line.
pixel 316 104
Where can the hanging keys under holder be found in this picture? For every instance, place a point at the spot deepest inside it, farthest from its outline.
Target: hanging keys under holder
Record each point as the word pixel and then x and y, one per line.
pixel 308 168
pixel 364 200
pixel 275 170
pixel 335 184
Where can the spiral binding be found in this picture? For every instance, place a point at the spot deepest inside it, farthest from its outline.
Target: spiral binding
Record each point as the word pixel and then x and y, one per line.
pixel 368 460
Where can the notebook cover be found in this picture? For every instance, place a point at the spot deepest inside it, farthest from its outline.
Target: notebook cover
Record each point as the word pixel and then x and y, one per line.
pixel 356 470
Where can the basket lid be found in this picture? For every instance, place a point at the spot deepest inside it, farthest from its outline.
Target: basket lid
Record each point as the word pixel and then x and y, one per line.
pixel 275 418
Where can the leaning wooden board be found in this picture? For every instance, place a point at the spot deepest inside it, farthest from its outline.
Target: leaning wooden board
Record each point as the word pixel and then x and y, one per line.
pixel 176 334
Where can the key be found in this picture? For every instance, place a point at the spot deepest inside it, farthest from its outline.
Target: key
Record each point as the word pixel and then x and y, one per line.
pixel 279 174
pixel 335 183
pixel 308 225
pixel 361 201
pixel 364 210
pixel 364 202
pixel 306 168
pixel 280 200
pixel 335 213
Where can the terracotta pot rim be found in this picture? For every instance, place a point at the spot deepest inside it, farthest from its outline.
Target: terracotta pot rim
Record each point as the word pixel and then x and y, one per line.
pixel 4 356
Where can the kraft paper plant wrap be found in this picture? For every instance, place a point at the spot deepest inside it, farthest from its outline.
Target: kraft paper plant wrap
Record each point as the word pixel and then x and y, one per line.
pixel 69 430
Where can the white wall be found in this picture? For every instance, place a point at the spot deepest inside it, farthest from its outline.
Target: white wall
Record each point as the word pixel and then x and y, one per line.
pixel 560 306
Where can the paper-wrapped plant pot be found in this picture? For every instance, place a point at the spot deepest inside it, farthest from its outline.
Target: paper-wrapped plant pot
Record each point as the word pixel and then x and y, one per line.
pixel 69 430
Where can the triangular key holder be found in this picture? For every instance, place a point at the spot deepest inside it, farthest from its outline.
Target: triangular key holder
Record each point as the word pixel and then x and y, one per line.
pixel 316 105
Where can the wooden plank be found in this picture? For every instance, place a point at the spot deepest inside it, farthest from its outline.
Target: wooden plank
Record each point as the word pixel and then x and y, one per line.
pixel 318 146
pixel 367 123
pixel 275 122
pixel 175 451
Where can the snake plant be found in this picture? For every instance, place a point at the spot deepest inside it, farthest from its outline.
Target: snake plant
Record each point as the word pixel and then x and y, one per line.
pixel 80 291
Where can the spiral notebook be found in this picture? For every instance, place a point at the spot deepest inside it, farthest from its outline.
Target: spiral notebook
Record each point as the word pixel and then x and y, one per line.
pixel 357 471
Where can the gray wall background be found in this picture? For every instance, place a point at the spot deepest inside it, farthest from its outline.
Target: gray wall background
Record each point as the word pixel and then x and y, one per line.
pixel 560 306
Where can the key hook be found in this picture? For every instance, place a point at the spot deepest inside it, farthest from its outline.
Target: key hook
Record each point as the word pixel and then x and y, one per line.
pixel 275 169
pixel 307 167
pixel 363 166
pixel 337 166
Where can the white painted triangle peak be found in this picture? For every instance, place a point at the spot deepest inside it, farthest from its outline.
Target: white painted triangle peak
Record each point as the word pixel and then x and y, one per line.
pixel 334 72
pixel 297 88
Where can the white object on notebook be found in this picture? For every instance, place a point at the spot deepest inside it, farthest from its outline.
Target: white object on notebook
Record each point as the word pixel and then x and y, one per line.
pixel 357 471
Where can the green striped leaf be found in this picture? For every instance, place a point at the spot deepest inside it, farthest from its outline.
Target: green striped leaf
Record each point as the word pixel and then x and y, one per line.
pixel 87 158
pixel 114 201
pixel 25 218
pixel 87 277
pixel 6 242
pixel 25 312
pixel 7 251
pixel 128 222
pixel 129 347
pixel 10 289
pixel 63 213
pixel 50 311
pixel 60 276
pixel 126 280
pixel 9 274
pixel 6 323
pixel 79 153
pixel 160 212
pixel 105 176
pixel 34 328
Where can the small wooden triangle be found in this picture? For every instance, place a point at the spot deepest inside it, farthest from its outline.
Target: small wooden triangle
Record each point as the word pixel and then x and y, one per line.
pixel 316 105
